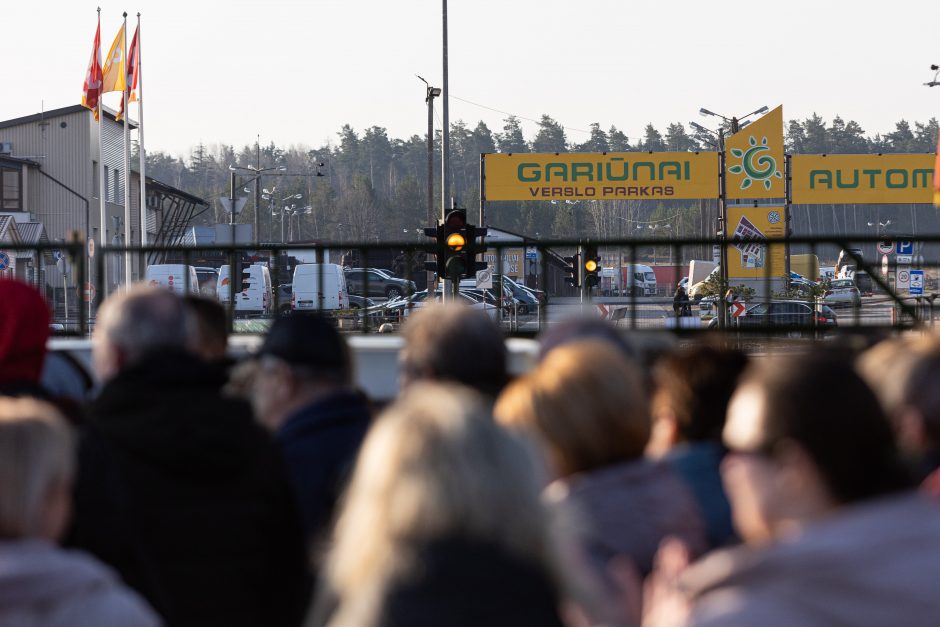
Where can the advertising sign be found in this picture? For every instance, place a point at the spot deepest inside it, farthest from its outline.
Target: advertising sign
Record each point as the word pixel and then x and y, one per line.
pixel 755 160
pixel 861 179
pixel 600 176
pixel 746 259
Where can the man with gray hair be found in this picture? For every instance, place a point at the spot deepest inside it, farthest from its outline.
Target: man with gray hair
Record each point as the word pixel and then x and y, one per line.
pixel 178 488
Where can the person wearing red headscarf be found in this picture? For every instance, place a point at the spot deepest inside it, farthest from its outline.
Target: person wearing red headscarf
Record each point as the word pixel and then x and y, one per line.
pixel 24 331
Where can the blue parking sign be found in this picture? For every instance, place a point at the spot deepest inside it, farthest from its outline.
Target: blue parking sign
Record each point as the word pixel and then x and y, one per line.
pixel 904 247
pixel 917 282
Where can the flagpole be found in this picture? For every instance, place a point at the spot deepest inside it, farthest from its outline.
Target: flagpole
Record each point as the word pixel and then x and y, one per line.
pixel 128 258
pixel 103 229
pixel 144 236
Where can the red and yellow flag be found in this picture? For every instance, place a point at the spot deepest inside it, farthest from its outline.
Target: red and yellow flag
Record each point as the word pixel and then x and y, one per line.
pixel 91 90
pixel 133 67
pixel 113 72
pixel 936 176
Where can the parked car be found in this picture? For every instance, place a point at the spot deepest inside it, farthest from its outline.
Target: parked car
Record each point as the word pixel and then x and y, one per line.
pixel 380 283
pixel 786 313
pixel 253 294
pixel 843 293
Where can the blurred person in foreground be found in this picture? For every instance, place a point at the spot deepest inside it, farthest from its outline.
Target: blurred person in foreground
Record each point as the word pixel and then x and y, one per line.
pixel 585 407
pixel 692 390
pixel 303 392
pixel 904 373
pixel 178 487
pixel 24 332
pixel 442 525
pixel 454 343
pixel 834 533
pixel 210 329
pixel 41 584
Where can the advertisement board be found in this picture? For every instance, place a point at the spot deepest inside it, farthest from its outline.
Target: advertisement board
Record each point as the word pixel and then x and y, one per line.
pixel 754 163
pixel 861 179
pixel 755 259
pixel 600 176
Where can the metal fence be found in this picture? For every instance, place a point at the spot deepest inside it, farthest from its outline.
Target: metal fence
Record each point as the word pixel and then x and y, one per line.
pixel 76 293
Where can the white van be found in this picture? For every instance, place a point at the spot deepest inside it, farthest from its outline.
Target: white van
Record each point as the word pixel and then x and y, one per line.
pixel 640 280
pixel 254 295
pixel 177 277
pixel 309 295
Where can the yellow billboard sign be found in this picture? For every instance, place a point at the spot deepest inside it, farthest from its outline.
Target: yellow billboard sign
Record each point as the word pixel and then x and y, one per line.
pixel 600 176
pixel 754 161
pixel 755 259
pixel 861 179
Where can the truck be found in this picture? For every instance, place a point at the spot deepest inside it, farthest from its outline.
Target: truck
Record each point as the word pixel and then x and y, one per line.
pixel 640 280
pixel 699 270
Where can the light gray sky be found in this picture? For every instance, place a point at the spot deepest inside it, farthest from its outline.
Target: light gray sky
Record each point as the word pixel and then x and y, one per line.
pixel 296 71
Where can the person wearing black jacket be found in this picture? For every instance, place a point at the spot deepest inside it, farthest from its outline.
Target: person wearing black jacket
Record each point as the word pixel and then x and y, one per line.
pixel 178 488
pixel 303 392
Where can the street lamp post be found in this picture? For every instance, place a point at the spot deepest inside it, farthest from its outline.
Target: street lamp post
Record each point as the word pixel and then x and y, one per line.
pixel 269 195
pixel 430 94
pixel 257 172
pixel 734 124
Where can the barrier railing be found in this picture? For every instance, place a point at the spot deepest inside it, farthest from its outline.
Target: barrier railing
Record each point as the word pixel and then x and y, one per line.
pixel 387 281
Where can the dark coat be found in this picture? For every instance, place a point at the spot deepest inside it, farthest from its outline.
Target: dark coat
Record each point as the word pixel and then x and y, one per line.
pixel 698 464
pixel 187 498
pixel 320 443
pixel 463 583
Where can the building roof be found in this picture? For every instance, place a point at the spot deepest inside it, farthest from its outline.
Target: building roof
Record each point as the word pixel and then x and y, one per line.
pixel 31 233
pixel 8 232
pixel 55 113
pixel 10 160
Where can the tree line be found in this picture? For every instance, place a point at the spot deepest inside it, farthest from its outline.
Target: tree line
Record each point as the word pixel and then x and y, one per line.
pixel 374 187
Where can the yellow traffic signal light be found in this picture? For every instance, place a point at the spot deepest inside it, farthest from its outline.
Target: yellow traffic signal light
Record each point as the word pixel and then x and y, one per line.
pixel 456 241
pixel 590 265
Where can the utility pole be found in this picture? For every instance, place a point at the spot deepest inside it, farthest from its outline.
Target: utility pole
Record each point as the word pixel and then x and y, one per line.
pixel 445 147
pixel 258 190
pixel 430 95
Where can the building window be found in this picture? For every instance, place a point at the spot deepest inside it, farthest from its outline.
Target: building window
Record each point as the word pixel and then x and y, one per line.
pixel 11 189
pixel 107 183
pixel 94 179
pixel 116 195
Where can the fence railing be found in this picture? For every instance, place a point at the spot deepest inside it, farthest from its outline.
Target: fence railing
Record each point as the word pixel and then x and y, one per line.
pixel 387 281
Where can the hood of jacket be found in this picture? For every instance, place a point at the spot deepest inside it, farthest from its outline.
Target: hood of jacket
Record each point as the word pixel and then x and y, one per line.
pixel 169 410
pixel 868 564
pixel 24 329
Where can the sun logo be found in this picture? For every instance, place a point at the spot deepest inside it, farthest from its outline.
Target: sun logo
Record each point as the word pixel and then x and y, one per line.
pixel 754 165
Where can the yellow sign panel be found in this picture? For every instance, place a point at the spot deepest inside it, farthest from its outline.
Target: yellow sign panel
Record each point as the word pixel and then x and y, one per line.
pixel 600 176
pixel 861 179
pixel 754 160
pixel 755 259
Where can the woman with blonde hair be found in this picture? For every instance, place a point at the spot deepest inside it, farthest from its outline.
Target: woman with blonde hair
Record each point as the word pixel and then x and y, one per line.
pixel 586 407
pixel 41 584
pixel 442 523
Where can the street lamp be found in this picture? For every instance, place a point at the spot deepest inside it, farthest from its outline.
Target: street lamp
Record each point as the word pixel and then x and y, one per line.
pixel 733 122
pixel 257 173
pixel 268 195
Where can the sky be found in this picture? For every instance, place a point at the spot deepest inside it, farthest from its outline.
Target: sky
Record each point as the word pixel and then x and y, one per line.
pixel 295 72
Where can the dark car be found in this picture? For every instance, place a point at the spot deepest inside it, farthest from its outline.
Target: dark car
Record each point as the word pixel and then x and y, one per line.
pixel 792 314
pixel 380 283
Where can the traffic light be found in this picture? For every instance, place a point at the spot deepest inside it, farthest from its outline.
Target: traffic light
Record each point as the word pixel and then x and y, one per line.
pixel 573 271
pixel 591 264
pixel 456 246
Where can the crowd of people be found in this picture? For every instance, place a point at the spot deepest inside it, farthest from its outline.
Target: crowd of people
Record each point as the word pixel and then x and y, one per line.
pixel 617 481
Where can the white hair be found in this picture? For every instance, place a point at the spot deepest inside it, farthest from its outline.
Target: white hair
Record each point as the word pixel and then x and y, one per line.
pixel 36 452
